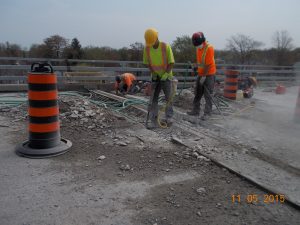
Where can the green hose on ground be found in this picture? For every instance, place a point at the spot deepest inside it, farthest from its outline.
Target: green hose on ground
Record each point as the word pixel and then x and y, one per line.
pixel 12 100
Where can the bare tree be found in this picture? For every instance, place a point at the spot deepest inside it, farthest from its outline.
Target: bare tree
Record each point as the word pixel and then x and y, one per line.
pixel 105 52
pixel 136 51
pixel 56 45
pixel 282 42
pixel 243 47
pixel 183 49
pixel 73 51
pixel 39 51
pixel 11 50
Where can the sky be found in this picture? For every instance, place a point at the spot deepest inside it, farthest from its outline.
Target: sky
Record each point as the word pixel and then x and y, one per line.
pixel 119 23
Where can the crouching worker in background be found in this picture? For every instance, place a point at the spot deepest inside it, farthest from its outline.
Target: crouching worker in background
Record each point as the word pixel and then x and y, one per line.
pixel 126 83
pixel 246 84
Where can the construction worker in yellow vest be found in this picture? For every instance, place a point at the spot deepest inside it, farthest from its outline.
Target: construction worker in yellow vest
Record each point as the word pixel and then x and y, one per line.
pixel 206 69
pixel 158 57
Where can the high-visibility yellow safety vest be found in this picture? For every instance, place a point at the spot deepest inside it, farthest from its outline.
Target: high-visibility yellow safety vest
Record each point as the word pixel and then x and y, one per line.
pixel 159 62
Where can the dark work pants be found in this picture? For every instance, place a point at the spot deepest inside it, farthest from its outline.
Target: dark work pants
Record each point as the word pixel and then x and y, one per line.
pixel 156 87
pixel 123 87
pixel 200 91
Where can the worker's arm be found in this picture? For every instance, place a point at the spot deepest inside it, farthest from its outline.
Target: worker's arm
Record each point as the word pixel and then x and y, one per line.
pixel 117 88
pixel 169 67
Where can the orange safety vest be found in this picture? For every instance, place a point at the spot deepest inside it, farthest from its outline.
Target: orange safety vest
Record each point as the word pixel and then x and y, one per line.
pixel 126 78
pixel 204 61
pixel 164 61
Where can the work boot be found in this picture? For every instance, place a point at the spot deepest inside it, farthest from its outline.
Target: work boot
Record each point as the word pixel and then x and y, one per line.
pixel 193 113
pixel 168 121
pixel 205 116
pixel 152 125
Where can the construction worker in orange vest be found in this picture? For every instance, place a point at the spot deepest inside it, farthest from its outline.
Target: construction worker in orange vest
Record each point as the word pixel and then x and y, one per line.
pixel 206 69
pixel 158 57
pixel 125 83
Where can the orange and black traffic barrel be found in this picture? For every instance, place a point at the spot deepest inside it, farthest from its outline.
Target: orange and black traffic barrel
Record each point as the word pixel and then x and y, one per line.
pixel 297 109
pixel 43 107
pixel 44 128
pixel 231 84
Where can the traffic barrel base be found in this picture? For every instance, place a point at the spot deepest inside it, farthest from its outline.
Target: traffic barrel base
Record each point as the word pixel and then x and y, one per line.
pixel 37 153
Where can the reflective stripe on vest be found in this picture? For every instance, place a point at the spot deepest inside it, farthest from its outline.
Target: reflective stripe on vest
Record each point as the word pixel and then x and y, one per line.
pixel 163 66
pixel 202 63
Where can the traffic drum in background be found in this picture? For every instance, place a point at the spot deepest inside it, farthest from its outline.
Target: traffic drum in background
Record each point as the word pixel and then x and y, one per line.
pixel 231 84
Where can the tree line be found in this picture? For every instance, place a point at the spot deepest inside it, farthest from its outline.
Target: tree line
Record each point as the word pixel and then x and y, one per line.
pixel 240 49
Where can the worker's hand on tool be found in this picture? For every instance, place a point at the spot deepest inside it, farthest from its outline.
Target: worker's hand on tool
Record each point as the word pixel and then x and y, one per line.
pixel 202 80
pixel 192 65
pixel 194 68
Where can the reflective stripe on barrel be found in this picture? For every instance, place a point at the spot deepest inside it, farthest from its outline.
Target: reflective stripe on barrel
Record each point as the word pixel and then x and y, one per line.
pixel 38 78
pixel 43 112
pixel 42 95
pixel 231 84
pixel 44 128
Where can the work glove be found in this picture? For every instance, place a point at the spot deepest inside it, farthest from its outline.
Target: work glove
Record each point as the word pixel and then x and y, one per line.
pixel 202 80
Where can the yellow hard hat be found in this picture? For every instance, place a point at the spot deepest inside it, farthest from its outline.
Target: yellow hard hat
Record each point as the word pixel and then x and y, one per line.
pixel 151 36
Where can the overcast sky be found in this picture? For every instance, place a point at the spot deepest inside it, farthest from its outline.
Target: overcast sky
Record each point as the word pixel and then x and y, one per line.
pixel 118 23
